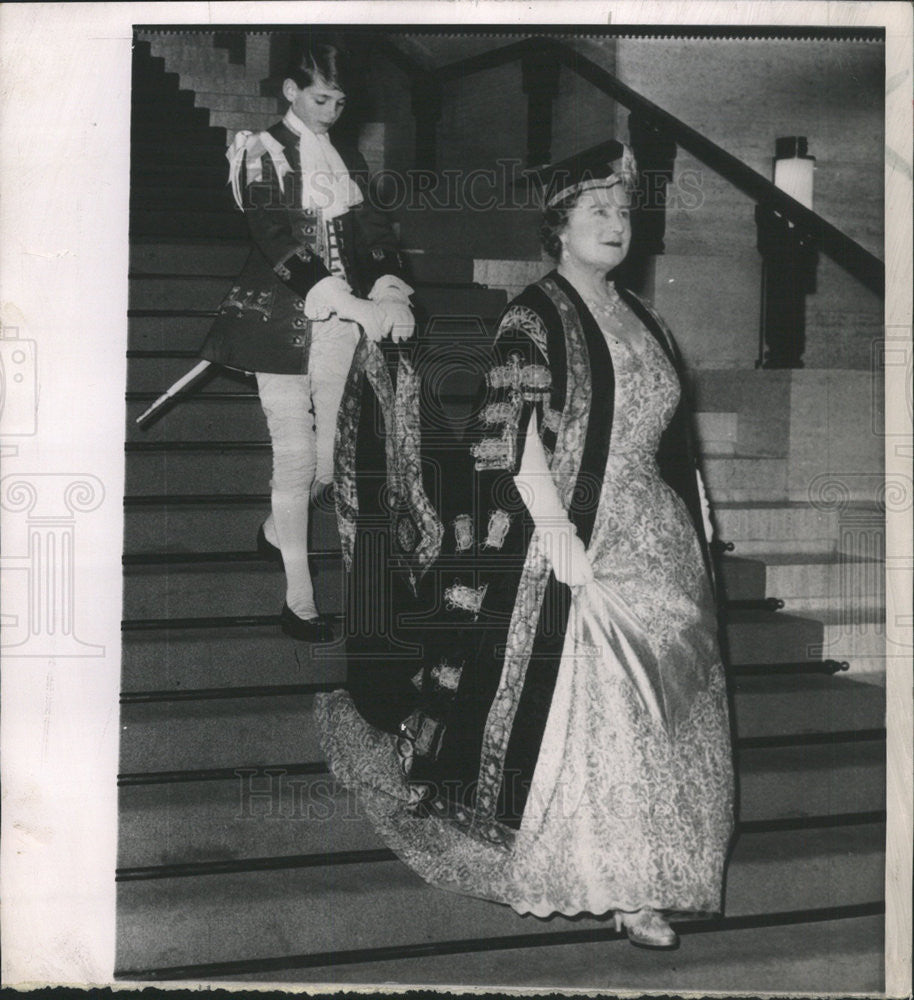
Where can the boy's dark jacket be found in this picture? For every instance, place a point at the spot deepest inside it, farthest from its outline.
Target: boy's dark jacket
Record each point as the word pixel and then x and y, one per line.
pixel 261 324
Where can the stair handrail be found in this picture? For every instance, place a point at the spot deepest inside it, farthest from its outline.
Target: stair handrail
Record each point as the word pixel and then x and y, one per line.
pixel 845 250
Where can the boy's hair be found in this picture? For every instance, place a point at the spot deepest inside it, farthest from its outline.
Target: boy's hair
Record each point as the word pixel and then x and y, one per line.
pixel 318 60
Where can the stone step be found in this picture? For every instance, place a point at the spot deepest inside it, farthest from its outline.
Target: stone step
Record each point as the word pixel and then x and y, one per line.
pixel 247 816
pixel 257 731
pixel 789 782
pixel 157 373
pixel 218 472
pixel 191 155
pixel 758 527
pixel 200 61
pixel 717 433
pixel 805 703
pixel 196 419
pixel 750 637
pixel 212 658
pixel 868 607
pixel 229 917
pixel 740 478
pixel 216 100
pixel 844 577
pixel 151 592
pixel 201 292
pixel 283 814
pixel 512 276
pixel 234 732
pixel 860 642
pixel 766 637
pixel 211 258
pixel 176 110
pixel 162 333
pixel 180 195
pixel 192 416
pixel 209 177
pixel 162 41
pixel 189 46
pixel 224 259
pixel 152 85
pixel 853 634
pixel 229 82
pixel 178 292
pixel 496 234
pixel 742 579
pixel 195 529
pixel 809 584
pixel 241 589
pixel 440 268
pixel 832 956
pixel 760 398
pixel 177 134
pixel 446 301
pixel 214 528
pixel 177 107
pixel 167 223
pixel 236 121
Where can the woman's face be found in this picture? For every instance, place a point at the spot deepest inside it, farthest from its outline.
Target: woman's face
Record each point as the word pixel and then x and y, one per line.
pixel 598 232
pixel 318 105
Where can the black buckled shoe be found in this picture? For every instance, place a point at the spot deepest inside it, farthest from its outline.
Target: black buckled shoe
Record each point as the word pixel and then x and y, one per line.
pixel 304 629
pixel 267 550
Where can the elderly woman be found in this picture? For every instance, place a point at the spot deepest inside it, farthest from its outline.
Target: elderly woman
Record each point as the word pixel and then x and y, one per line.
pixel 569 747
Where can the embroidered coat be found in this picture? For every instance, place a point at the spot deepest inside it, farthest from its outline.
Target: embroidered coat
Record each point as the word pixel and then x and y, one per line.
pixel 498 606
pixel 261 324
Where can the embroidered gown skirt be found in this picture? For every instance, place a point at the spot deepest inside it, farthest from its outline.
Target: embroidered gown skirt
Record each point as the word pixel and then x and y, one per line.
pixel 631 799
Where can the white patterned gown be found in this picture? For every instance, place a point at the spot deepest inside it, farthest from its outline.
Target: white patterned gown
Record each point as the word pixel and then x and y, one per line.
pixel 631 801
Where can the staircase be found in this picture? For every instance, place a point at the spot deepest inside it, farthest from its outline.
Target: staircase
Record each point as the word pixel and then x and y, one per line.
pixel 240 859
pixel 222 81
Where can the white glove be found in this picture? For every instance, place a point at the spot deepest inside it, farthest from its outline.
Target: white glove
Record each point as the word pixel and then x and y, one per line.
pixel 396 319
pixel 391 295
pixel 534 482
pixel 332 295
pixel 569 558
pixel 706 521
pixel 367 315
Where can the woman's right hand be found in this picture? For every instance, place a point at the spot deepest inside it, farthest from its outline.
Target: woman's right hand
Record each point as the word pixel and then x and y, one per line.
pixel 332 295
pixel 367 315
pixel 568 556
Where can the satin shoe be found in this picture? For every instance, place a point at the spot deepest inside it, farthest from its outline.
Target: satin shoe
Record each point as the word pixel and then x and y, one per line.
pixel 267 550
pixel 646 928
pixel 305 629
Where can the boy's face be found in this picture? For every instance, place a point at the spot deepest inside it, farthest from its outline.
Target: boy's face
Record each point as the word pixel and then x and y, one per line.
pixel 318 106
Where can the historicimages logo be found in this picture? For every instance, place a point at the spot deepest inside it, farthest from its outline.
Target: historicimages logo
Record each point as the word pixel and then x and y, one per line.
pixel 39 519
pixel 18 389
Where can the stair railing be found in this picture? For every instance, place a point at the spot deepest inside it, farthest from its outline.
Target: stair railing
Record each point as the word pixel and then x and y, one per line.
pixel 540 58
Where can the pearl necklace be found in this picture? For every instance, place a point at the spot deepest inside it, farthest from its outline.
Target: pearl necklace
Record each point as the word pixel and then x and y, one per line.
pixel 611 310
pixel 609 307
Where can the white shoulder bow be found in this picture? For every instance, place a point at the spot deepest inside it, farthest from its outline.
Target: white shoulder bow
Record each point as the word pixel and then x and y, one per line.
pixel 249 148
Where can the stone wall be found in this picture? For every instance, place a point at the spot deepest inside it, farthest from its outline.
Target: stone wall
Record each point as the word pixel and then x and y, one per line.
pixel 742 94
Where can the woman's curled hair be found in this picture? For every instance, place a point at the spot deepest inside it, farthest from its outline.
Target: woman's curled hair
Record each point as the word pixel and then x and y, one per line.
pixel 554 221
